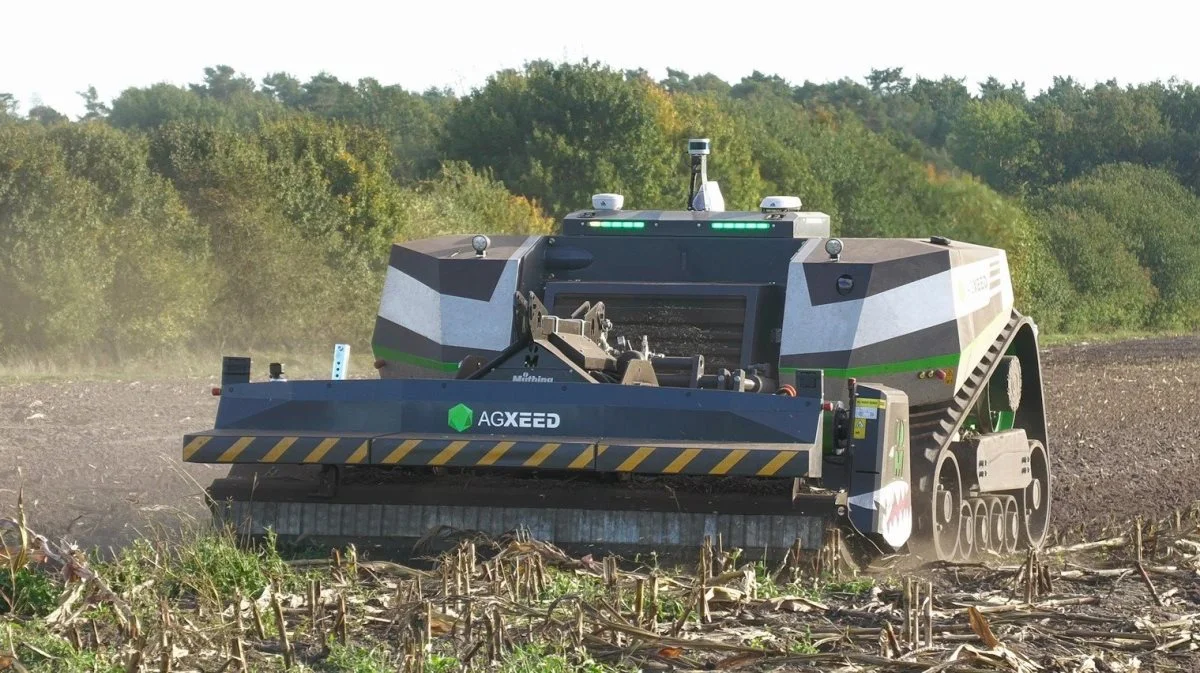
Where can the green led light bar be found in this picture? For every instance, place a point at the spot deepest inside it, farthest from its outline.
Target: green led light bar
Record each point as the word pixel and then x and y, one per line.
pixel 615 224
pixel 740 226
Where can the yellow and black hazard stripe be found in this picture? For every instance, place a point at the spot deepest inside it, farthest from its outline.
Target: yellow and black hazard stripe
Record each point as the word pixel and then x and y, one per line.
pixel 721 461
pixel 714 461
pixel 293 449
pixel 482 453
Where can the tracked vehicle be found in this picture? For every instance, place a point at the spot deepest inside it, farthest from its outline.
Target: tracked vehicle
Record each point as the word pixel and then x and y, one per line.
pixel 644 378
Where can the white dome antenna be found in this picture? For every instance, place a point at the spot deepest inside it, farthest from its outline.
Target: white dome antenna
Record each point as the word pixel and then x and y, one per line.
pixel 780 204
pixel 608 201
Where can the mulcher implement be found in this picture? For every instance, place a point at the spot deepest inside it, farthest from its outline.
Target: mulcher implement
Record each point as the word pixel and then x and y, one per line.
pixel 645 378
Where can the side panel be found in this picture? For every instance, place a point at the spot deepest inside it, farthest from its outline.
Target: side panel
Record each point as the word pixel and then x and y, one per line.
pixel 441 302
pixel 984 301
pixel 477 423
pixel 894 312
pixel 880 488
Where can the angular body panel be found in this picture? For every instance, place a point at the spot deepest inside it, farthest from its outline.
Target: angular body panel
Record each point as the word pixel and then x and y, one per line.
pixel 440 303
pixel 913 308
pixel 916 313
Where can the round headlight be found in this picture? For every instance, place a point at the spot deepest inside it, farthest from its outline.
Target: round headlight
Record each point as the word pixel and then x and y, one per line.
pixel 845 284
pixel 480 243
pixel 834 247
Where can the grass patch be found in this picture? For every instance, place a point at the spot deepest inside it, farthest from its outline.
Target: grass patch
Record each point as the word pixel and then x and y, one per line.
pixel 216 566
pixel 26 591
pixel 1069 339
pixel 769 587
pixel 213 567
pixel 562 583
pixel 854 587
pixel 356 659
pixel 791 644
pixel 43 652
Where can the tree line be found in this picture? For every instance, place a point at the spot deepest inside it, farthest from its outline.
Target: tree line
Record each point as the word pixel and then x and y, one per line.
pixel 238 213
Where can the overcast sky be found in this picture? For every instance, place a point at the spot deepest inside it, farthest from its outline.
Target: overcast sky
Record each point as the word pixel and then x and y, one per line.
pixel 53 49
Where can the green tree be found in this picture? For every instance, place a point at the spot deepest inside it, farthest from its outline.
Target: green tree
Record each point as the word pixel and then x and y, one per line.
pixel 1147 215
pixel 220 100
pixel 760 84
pixel 459 198
pixel 678 81
pixel 98 253
pixel 223 83
pixel 1111 290
pixel 1081 129
pixel 159 253
pixel 412 122
pixel 994 90
pixel 283 88
pixel 889 82
pixel 939 105
pixel 276 281
pixel 93 107
pixel 996 140
pixel 52 266
pixel 46 115
pixel 560 133
pixel 159 104
pixel 8 104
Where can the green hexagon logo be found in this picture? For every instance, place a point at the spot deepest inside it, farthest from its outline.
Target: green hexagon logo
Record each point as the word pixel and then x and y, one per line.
pixel 460 417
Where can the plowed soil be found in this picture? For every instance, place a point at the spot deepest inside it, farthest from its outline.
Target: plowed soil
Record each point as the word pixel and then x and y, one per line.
pixel 1123 427
pixel 99 460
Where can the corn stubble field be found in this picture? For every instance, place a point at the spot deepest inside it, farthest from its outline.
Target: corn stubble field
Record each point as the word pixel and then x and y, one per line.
pixel 1117 590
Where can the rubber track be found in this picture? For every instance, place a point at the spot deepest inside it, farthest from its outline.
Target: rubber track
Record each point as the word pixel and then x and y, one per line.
pixel 933 427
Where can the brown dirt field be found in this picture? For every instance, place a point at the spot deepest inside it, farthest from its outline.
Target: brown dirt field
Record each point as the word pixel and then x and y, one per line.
pixel 1123 432
pixel 99 460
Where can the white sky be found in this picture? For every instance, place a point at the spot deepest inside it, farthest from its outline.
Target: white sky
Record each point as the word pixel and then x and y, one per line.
pixel 50 50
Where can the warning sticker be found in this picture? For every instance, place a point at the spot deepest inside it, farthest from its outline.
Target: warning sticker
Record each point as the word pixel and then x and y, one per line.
pixel 866 412
pixel 860 428
pixel 870 402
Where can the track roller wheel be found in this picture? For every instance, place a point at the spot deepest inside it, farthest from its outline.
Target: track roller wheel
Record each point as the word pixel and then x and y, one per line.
pixel 996 531
pixel 1035 501
pixel 983 538
pixel 966 532
pixel 1012 524
pixel 946 508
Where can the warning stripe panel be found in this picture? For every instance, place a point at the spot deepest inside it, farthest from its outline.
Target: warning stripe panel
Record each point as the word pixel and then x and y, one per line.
pixel 295 449
pixel 480 453
pixel 283 449
pixel 731 461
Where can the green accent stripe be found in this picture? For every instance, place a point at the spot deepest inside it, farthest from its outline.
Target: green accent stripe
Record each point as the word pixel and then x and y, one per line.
pixel 935 362
pixel 385 353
